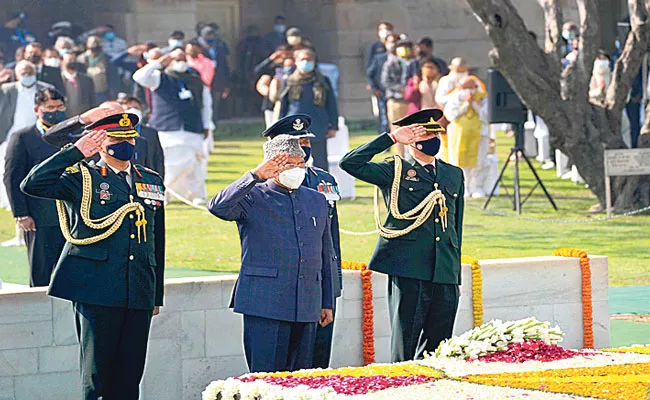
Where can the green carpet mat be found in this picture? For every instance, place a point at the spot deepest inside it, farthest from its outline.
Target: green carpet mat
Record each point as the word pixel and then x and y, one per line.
pixel 627 333
pixel 629 300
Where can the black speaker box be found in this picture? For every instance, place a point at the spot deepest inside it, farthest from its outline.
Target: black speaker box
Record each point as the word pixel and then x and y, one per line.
pixel 504 106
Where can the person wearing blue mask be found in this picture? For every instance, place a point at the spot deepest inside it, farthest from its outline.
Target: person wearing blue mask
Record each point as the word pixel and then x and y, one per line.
pixel 307 91
pixel 217 50
pixel 36 218
pixel 276 37
pixel 112 272
pixel 98 66
pixel 420 249
pixel 111 44
pixel 14 34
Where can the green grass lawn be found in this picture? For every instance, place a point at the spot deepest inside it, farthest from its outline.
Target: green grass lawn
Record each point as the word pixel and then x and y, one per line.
pixel 197 241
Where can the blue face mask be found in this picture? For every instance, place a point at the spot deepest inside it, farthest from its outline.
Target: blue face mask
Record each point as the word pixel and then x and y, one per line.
pixel 288 70
pixel 307 151
pixel 51 118
pixel 211 41
pixel 122 150
pixel 429 147
pixel 305 66
pixel 109 35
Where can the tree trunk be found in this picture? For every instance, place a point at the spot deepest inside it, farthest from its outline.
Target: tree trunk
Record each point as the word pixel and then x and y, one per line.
pixel 578 128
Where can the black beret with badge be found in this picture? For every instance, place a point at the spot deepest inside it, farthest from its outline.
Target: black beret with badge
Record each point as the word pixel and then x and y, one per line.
pixel 294 125
pixel 118 125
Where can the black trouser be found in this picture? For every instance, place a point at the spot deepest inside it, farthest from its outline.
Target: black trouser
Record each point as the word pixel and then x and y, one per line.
pixel 113 349
pixel 319 154
pixel 272 345
pixel 634 115
pixel 422 315
pixel 323 346
pixel 43 250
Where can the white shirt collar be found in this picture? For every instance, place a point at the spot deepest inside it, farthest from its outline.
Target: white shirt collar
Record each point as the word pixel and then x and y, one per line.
pixel 117 171
pixel 22 88
pixel 68 75
pixel 422 163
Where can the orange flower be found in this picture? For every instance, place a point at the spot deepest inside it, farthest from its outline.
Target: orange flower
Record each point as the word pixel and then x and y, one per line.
pixel 587 303
pixel 368 324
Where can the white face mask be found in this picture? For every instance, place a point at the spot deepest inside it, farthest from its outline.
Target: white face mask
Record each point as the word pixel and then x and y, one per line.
pixel 175 43
pixel 457 75
pixel 383 33
pixel 52 62
pixel 292 178
pixel 136 112
pixel 179 66
pixel 294 40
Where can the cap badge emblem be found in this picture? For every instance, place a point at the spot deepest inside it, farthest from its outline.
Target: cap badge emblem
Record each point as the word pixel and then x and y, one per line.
pixel 298 125
pixel 125 121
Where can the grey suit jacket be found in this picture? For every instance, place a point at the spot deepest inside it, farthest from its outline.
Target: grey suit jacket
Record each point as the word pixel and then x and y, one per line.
pixel 8 99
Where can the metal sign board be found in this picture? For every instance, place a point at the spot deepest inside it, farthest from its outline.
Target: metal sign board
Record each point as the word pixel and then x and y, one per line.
pixel 627 162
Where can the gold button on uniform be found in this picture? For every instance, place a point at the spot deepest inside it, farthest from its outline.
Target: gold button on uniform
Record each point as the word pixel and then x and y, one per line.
pixel 102 202
pixel 437 239
pixel 410 189
pixel 130 216
pixel 131 258
pixel 455 194
pixel 132 236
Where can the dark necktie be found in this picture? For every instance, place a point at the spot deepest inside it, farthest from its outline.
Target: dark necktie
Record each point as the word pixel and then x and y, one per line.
pixel 431 169
pixel 123 175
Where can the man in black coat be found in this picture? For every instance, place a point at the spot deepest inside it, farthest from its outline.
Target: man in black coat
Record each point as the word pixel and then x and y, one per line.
pixel 36 217
pixel 155 157
pixel 51 75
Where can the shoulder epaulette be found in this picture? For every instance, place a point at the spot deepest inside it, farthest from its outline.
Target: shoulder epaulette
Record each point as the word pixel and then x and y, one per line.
pixel 390 159
pixel 72 169
pixel 145 169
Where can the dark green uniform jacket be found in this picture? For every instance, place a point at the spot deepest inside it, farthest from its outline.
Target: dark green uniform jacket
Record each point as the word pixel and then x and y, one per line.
pixel 427 253
pixel 118 271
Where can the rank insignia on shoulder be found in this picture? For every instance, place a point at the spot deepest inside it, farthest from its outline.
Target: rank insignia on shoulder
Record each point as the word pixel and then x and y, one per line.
pixel 72 170
pixel 103 171
pixel 390 159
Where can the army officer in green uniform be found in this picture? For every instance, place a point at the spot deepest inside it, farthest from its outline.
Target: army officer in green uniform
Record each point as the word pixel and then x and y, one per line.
pixel 419 243
pixel 111 267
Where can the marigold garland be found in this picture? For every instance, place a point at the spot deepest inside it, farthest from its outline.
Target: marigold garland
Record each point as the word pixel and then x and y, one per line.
pixel 638 348
pixel 477 289
pixel 587 303
pixel 609 382
pixel 368 310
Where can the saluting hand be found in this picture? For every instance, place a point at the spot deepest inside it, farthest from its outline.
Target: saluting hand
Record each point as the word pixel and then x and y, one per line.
pixel 272 167
pixel 410 134
pixel 91 142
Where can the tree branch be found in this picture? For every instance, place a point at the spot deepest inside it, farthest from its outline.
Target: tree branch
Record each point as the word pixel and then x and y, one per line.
pixel 629 63
pixel 553 27
pixel 589 44
pixel 533 74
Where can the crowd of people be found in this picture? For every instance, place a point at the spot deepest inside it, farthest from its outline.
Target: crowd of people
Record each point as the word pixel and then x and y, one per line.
pixel 178 85
pixel 405 77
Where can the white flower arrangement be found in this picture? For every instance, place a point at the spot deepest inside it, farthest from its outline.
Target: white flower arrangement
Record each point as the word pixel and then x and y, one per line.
pixel 496 335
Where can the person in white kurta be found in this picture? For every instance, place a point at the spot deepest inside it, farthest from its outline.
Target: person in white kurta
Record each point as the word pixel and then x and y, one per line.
pixel 185 152
pixel 468 133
